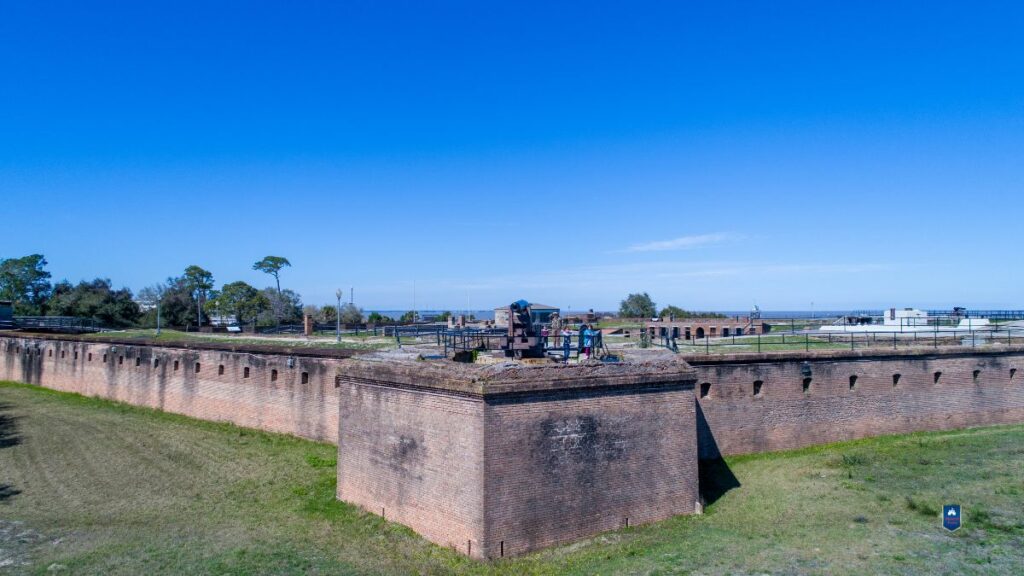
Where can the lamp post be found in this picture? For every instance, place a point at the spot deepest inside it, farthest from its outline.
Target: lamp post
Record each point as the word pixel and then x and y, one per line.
pixel 199 308
pixel 159 302
pixel 337 317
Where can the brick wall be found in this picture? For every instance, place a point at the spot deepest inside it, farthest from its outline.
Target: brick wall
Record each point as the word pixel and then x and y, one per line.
pixel 500 465
pixel 564 465
pixel 816 398
pixel 498 461
pixel 231 386
pixel 687 328
pixel 414 457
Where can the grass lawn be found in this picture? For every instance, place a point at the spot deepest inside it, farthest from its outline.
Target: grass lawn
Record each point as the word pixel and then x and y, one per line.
pixel 798 342
pixel 93 487
pixel 616 323
pixel 348 341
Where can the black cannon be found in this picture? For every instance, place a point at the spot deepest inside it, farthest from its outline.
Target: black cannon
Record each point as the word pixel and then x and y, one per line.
pixel 523 339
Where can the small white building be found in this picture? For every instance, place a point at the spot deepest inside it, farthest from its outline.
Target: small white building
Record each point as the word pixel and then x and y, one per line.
pixel 910 320
pixel 905 317
pixel 223 320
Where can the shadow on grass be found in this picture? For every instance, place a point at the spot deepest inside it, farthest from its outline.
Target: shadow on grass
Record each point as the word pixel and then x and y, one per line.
pixel 8 437
pixel 8 428
pixel 715 479
pixel 7 491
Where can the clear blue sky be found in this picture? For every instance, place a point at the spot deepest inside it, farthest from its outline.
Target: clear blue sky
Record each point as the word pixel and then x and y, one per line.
pixel 718 154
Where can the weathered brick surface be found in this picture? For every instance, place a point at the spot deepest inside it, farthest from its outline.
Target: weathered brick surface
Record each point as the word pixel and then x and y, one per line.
pixel 414 457
pixel 564 465
pixel 166 378
pixel 500 462
pixel 971 389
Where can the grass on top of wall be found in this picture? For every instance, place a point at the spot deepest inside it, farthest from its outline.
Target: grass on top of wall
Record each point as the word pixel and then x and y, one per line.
pixel 95 487
pixel 365 340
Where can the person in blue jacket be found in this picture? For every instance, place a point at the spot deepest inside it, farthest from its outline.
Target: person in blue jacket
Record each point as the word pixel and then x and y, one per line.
pixel 587 335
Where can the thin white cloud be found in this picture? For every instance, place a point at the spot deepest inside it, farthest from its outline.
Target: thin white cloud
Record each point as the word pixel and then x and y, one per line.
pixel 682 243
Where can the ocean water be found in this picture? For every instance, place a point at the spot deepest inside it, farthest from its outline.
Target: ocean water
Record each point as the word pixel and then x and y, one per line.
pixel 480 314
pixel 768 314
pixel 765 314
pixel 801 314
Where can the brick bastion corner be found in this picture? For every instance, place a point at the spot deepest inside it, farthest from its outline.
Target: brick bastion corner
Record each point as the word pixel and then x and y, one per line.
pixel 500 460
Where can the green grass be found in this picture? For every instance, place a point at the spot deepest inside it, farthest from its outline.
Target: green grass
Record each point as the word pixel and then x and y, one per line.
pixel 94 487
pixel 798 342
pixel 363 341
pixel 616 323
pixel 768 344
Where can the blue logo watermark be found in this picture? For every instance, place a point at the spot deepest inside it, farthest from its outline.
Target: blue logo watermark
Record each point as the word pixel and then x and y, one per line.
pixel 951 517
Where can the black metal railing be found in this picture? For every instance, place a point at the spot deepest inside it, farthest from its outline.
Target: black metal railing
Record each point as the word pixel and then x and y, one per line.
pixel 564 346
pixel 472 339
pixel 416 331
pixel 57 323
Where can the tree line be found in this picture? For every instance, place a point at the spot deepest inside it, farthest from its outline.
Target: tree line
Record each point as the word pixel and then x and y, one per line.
pixel 189 299
pixel 640 305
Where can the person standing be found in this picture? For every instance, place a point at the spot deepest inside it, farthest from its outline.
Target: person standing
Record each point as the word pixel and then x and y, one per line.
pixel 580 349
pixel 587 336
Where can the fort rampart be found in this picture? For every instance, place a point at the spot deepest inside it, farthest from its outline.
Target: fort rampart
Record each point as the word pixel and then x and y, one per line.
pixel 280 390
pixel 498 460
pixel 778 401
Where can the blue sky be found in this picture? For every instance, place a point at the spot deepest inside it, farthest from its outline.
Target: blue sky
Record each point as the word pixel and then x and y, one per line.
pixel 715 155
